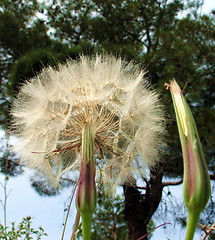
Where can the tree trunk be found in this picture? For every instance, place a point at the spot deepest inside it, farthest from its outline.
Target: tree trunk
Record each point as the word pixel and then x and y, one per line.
pixel 140 207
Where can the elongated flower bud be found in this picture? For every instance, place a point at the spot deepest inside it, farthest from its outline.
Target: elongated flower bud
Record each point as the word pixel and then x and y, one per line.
pixel 196 181
pixel 86 193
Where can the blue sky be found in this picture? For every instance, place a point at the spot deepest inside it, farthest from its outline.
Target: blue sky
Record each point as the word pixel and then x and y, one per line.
pixel 208 5
pixel 48 212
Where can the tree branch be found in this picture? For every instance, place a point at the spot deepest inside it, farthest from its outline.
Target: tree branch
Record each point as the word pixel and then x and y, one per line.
pixel 212 176
pixel 164 184
pixel 207 230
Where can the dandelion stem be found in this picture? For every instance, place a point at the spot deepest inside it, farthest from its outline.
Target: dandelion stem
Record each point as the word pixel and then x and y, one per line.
pixel 192 221
pixel 86 194
pixel 86 225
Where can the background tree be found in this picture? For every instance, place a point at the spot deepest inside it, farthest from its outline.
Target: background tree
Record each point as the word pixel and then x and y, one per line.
pixel 20 31
pixel 168 38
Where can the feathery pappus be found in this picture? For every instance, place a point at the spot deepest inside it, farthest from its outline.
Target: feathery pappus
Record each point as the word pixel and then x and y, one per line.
pixel 112 96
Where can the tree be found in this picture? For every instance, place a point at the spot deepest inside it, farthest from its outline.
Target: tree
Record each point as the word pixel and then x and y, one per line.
pixel 20 31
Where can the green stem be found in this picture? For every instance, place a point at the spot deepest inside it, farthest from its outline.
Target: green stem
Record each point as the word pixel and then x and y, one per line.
pixel 86 193
pixel 192 220
pixel 86 219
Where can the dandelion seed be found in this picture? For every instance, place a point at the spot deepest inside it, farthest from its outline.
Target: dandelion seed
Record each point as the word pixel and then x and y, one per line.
pixel 113 97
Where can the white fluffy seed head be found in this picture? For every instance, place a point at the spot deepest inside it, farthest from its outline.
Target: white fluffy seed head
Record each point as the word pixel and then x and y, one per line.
pixel 50 111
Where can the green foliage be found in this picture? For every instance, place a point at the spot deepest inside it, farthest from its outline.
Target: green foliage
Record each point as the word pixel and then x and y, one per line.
pixel 20 30
pixel 31 63
pixel 9 163
pixel 109 220
pixel 23 231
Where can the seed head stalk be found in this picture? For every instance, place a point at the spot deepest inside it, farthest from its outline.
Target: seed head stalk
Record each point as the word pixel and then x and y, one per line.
pixel 86 192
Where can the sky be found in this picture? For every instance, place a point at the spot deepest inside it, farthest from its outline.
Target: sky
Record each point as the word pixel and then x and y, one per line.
pixel 48 212
pixel 208 6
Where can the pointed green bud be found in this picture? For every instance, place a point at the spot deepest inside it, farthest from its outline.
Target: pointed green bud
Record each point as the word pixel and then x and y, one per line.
pixel 196 180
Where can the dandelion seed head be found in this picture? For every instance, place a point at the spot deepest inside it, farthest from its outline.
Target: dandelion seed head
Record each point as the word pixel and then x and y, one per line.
pixel 51 110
